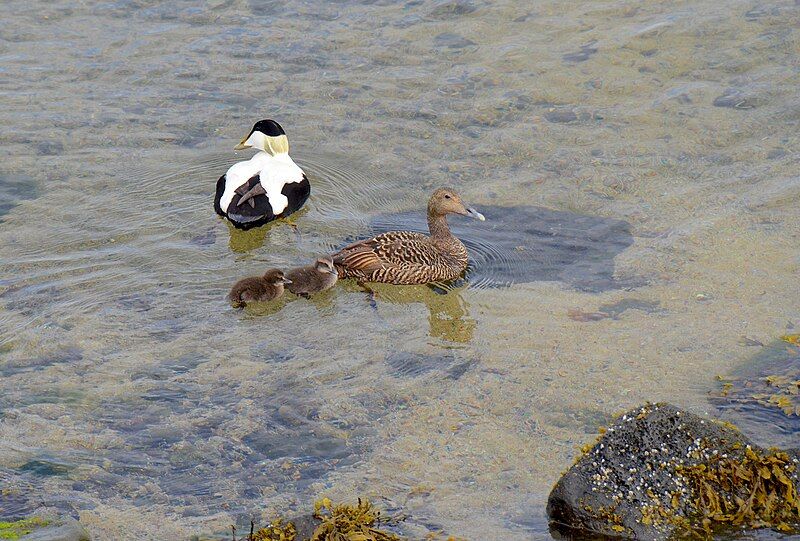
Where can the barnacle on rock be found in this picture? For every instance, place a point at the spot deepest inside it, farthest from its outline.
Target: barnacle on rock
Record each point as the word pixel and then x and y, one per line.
pixel 662 473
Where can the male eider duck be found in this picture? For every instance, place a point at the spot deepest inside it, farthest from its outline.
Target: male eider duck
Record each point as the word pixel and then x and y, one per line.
pixel 267 186
pixel 258 288
pixel 405 257
pixel 307 281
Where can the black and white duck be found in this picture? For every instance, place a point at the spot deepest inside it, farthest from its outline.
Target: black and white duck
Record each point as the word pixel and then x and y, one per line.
pixel 266 187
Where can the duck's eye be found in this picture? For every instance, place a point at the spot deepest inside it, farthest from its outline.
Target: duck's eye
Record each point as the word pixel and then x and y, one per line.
pixel 446 196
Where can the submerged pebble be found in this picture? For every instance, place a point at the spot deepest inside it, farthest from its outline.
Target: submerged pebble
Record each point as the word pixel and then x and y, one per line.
pixel 408 365
pixel 582 55
pixel 561 116
pixel 735 99
pixel 452 41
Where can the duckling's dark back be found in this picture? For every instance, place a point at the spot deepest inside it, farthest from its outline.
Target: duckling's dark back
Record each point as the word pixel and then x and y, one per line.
pixel 254 288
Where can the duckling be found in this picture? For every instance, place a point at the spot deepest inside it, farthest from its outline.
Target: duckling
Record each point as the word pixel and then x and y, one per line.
pixel 314 278
pixel 266 187
pixel 405 257
pixel 258 288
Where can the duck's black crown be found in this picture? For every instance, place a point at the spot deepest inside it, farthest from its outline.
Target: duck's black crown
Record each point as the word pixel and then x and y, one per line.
pixel 268 127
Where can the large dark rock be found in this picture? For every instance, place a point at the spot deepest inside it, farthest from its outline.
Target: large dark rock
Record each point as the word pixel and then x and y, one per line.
pixel 659 471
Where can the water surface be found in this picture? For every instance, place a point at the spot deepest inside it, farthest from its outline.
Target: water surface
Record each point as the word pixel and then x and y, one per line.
pixel 647 152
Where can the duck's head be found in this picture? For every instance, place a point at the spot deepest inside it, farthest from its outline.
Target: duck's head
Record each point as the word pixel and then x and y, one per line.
pixel 446 201
pixel 325 265
pixel 276 277
pixel 266 135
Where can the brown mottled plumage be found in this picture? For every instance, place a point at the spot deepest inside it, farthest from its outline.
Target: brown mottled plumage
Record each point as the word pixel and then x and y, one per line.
pixel 405 257
pixel 258 288
pixel 314 278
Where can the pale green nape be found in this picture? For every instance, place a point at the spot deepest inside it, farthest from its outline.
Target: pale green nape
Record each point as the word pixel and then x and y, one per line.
pixel 276 145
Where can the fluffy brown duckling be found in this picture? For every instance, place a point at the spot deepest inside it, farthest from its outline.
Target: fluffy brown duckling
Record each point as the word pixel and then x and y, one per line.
pixel 258 288
pixel 406 257
pixel 312 279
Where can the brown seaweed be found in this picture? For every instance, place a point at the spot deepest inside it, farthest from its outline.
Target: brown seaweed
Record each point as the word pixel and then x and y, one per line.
pixel 337 523
pixel 754 491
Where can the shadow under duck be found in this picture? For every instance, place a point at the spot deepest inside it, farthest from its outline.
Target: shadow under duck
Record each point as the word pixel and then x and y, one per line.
pixel 407 257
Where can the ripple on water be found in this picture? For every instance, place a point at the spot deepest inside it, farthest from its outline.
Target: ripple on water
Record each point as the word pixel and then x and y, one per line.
pixel 195 445
pixel 527 244
pixel 18 495
pixel 406 364
pixel 340 197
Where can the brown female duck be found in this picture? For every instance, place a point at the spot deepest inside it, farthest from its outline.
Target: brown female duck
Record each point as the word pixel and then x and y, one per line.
pixel 405 257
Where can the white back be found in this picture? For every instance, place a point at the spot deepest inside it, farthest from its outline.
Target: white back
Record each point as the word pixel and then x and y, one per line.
pixel 278 172
pixel 239 173
pixel 274 171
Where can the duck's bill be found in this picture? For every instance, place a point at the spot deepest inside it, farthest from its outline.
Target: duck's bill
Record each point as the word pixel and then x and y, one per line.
pixel 471 212
pixel 243 144
pixel 287 281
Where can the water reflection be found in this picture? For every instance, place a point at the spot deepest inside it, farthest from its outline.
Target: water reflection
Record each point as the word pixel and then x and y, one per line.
pixel 448 311
pixel 246 241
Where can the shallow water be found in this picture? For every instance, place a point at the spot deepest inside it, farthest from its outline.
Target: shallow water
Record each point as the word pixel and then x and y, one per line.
pixel 661 138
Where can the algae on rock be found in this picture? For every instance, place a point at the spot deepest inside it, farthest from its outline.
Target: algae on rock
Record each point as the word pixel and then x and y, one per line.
pixel 753 491
pixel 659 472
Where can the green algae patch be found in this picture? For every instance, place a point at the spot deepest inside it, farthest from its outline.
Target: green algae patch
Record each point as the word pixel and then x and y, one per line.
pixel 756 490
pixel 337 523
pixel 16 529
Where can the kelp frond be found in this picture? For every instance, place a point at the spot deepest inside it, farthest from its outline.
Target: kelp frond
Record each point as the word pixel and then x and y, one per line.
pixel 754 491
pixel 276 531
pixel 349 522
pixel 337 523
